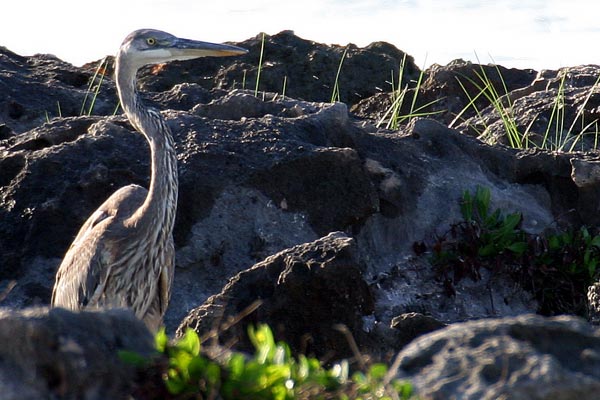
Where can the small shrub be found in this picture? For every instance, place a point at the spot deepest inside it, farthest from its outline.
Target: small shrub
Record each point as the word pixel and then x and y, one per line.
pixel 557 268
pixel 271 373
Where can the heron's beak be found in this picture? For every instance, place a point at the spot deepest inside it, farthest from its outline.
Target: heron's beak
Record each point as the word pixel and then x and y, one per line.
pixel 185 49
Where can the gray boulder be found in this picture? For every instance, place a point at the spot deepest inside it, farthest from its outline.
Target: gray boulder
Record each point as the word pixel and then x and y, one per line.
pixel 51 354
pixel 303 293
pixel 528 357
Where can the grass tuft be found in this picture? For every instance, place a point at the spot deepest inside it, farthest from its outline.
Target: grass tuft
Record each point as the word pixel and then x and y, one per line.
pixel 556 137
pixel 393 116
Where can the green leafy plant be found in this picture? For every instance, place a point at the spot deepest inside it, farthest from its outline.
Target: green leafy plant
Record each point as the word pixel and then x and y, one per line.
pixel 186 369
pixel 557 267
pixel 271 373
pixel 563 265
pixel 494 232
pixel 482 234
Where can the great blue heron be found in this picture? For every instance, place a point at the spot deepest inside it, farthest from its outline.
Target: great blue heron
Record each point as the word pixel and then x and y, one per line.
pixel 123 256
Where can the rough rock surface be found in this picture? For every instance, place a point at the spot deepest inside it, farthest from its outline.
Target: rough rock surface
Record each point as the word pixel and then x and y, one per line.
pixel 528 357
pixel 41 87
pixel 310 288
pixel 51 354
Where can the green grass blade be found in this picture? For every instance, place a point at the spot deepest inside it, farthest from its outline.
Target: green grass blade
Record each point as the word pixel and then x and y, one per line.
pixel 91 108
pixel 335 94
pixel 260 62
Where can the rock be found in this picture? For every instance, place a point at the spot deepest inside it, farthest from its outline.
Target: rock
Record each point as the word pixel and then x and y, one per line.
pixel 413 325
pixel 60 354
pixel 527 357
pixel 41 87
pixel 585 172
pixel 593 296
pixel 304 293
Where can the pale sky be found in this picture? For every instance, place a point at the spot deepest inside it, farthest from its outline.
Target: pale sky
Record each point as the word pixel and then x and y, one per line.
pixel 515 33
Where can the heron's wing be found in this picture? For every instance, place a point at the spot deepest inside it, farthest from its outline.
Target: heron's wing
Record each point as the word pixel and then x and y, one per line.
pixel 153 315
pixel 166 277
pixel 82 275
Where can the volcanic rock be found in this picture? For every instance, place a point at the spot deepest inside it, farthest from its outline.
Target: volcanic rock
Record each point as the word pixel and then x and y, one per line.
pixel 60 354
pixel 527 357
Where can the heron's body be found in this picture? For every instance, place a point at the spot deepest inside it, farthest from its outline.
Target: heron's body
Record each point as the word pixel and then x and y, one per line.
pixel 123 255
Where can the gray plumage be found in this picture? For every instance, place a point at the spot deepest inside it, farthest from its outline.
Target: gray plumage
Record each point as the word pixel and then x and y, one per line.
pixel 123 255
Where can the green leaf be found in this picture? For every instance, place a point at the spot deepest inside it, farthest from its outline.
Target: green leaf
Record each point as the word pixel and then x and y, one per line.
pixel 487 250
pixel 511 221
pixel 586 256
pixel 596 241
pixel 197 368
pixel 212 373
pixel 175 385
pixel 263 341
pixel 181 363
pixel 236 364
pixel 518 248
pixel 161 340
pixel 378 371
pixel 554 242
pixel 403 388
pixel 359 378
pixel 585 233
pixel 567 238
pixel 482 200
pixel 190 342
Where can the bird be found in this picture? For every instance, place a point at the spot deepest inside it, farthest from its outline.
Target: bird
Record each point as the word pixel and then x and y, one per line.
pixel 123 255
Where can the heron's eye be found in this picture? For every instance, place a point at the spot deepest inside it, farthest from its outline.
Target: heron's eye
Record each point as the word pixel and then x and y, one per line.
pixel 151 41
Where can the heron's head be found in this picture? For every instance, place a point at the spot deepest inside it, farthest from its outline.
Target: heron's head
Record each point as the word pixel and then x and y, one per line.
pixel 150 46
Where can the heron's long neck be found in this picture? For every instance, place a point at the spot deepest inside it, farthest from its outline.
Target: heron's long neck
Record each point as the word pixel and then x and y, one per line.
pixel 160 205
